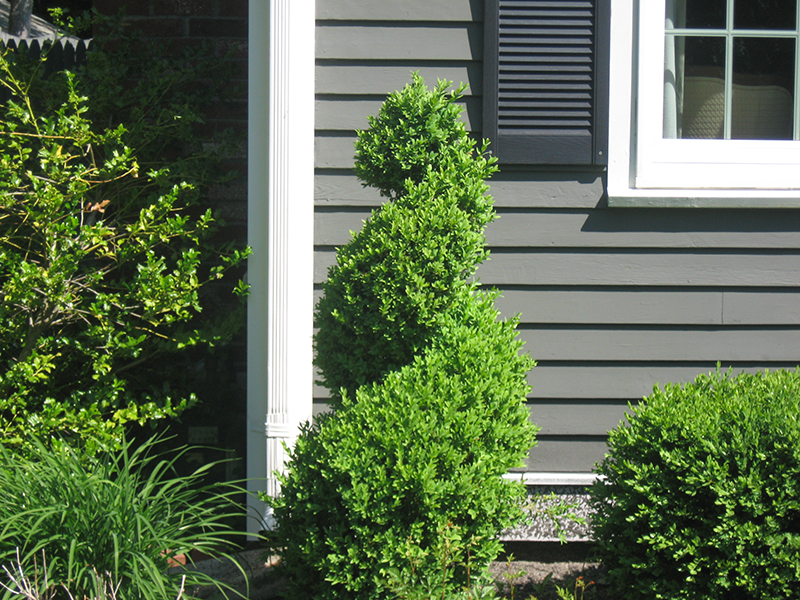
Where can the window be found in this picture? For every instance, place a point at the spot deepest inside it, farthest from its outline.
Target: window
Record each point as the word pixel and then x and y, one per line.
pixel 704 103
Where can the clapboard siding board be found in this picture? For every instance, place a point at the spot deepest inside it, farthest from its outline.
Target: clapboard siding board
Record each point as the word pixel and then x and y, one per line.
pixel 343 190
pixel 556 417
pixel 347 114
pixel 569 455
pixel 634 268
pixel 577 418
pixel 540 190
pixel 548 188
pixel 614 381
pixel 375 78
pixel 635 307
pixel 459 41
pixel 678 345
pixel 638 268
pixel 400 10
pixel 598 380
pixel 610 229
pixel 334 151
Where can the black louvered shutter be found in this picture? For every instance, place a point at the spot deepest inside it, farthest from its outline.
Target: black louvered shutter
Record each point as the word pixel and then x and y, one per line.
pixel 546 81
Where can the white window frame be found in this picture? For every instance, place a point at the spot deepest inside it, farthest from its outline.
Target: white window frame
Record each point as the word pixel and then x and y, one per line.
pixel 647 170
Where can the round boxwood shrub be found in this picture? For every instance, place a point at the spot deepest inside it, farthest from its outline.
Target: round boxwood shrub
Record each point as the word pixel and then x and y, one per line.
pixel 701 496
pixel 402 486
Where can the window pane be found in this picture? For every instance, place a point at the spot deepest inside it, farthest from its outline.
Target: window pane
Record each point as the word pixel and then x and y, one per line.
pixel 705 14
pixel 763 89
pixel 696 14
pixel 764 14
pixel 694 87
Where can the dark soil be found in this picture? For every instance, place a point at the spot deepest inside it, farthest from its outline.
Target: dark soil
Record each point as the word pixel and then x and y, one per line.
pixel 526 571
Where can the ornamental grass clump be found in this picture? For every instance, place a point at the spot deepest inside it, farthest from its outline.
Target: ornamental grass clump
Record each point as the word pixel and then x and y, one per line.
pixel 428 383
pixel 701 492
pixel 79 522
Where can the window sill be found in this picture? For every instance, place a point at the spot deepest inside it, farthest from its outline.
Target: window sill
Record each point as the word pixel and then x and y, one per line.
pixel 704 198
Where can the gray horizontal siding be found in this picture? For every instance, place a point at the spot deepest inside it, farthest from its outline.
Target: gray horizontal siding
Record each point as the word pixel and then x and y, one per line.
pixel 536 189
pixel 623 228
pixel 644 306
pixel 565 455
pixel 370 78
pixel 400 10
pixel 406 41
pixel 611 301
pixel 613 381
pixel 334 113
pixel 663 345
pixel 561 416
pixel 677 307
pixel 635 268
pixel 599 380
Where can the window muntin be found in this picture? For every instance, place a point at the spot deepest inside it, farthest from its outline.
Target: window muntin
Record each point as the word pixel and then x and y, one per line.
pixel 717 95
pixel 730 69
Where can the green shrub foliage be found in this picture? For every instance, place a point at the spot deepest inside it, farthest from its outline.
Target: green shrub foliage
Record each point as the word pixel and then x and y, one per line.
pixel 71 521
pixel 412 260
pixel 104 243
pixel 431 410
pixel 701 497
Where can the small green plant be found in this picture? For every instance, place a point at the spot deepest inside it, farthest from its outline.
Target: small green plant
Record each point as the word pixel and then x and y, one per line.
pixel 577 592
pixel 700 495
pixel 512 577
pixel 118 516
pixel 541 588
pixel 428 383
pixel 106 254
pixel 420 582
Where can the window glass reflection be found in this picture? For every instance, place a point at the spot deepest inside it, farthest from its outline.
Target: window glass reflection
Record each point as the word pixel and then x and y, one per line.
pixel 694 90
pixel 763 88
pixel 764 14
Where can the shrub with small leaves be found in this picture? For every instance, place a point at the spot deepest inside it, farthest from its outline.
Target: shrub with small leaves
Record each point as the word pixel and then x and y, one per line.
pixel 412 260
pixel 429 384
pixel 701 492
pixel 106 252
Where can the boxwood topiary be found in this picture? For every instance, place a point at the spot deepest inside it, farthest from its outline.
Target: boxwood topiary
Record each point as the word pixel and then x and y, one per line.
pixel 701 496
pixel 412 259
pixel 429 383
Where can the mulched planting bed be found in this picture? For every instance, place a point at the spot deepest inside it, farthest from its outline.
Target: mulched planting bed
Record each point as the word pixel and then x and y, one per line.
pixel 531 569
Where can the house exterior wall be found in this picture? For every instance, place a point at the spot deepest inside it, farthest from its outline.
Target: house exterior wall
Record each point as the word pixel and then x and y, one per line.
pixel 221 26
pixel 612 300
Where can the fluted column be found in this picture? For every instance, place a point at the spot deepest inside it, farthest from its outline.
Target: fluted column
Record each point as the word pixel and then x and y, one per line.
pixel 280 232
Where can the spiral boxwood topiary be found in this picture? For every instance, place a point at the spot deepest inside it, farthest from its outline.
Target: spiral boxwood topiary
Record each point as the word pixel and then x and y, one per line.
pixel 701 496
pixel 412 260
pixel 429 384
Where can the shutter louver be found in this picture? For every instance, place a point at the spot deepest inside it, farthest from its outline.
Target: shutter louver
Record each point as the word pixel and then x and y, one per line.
pixel 543 95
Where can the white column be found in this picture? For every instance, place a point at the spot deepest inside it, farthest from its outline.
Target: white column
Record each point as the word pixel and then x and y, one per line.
pixel 280 232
